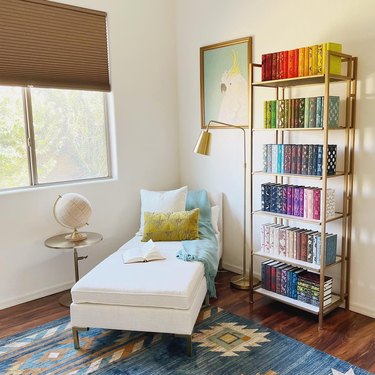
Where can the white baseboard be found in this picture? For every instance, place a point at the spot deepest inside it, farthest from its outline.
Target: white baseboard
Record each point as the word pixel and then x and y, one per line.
pixel 35 295
pixel 360 309
pixel 236 269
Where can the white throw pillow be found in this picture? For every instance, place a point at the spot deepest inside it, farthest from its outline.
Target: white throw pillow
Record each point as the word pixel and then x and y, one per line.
pixel 215 212
pixel 162 201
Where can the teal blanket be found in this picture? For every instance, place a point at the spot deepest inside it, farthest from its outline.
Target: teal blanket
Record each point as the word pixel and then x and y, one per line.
pixel 205 249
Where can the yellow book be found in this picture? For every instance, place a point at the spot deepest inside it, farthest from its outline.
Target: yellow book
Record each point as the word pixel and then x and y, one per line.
pixel 301 62
pixel 306 62
pixel 314 60
pixel 310 60
pixel 320 59
pixel 335 67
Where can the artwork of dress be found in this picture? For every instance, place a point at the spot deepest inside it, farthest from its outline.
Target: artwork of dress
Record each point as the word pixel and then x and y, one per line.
pixel 225 82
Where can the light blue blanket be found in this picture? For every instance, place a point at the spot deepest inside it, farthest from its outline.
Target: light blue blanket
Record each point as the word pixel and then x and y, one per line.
pixel 205 249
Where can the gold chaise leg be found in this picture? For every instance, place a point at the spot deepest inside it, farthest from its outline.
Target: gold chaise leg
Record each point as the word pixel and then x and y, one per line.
pixel 75 331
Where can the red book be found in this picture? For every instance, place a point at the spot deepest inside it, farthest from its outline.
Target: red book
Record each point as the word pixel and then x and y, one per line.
pixel 282 65
pixel 268 66
pixel 295 63
pixel 304 246
pixel 296 112
pixel 285 53
pixel 278 65
pixel 291 63
pixel 316 204
pixel 274 66
pixel 299 160
pixel 263 67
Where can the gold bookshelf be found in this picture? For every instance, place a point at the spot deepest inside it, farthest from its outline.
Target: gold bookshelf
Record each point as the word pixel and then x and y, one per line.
pixel 349 79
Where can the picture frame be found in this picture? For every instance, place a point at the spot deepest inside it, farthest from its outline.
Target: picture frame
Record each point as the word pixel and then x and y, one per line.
pixel 225 86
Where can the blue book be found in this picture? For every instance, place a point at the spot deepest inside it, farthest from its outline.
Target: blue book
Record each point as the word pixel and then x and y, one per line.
pixel 289 278
pixel 310 160
pixel 269 158
pixel 274 158
pixel 295 281
pixel 315 158
pixel 266 196
pixel 265 157
pixel 273 198
pixel 279 199
pixel 279 158
pixel 331 248
pixel 319 161
pixel 282 157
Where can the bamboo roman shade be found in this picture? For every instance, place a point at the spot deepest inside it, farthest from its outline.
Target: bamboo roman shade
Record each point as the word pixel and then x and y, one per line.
pixel 48 44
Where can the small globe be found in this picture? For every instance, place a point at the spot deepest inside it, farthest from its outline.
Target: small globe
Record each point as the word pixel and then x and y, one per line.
pixel 72 210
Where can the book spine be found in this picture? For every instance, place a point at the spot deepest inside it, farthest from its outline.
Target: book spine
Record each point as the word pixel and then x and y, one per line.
pixel 301 113
pixel 299 159
pixel 267 197
pixel 269 158
pixel 296 59
pixel 283 282
pixel 318 120
pixel 301 62
pixel 320 59
pixel 310 163
pixel 305 206
pixel 274 66
pixel 272 239
pixel 296 112
pixel 286 64
pixel 304 246
pixel 281 114
pixel 262 200
pixel 316 197
pixel 310 238
pixel 276 241
pixel 265 157
pixel 315 160
pixel 296 201
pixel 269 114
pixel 265 114
pixel 290 200
pixel 305 159
pixel 274 158
pixel 262 237
pixel 273 198
pixel 282 242
pixel 287 113
pixel 273 279
pixel 279 199
pixel 263 67
pixel 293 168
pixel 306 64
pixel 267 238
pixel 278 280
pixel 333 112
pixel 319 160
pixel 298 245
pixel 331 249
pixel 279 157
pixel 310 203
pixel 301 201
pixel 268 66
pixel 278 65
pixel 291 63
pixel 285 199
pixel 310 60
pixel 287 158
pixel 312 112
pixel 273 114
pixel 307 108
pixel 282 65
pixel 263 270
pixel 315 250
pixel 282 158
pixel 314 60
pixel 292 113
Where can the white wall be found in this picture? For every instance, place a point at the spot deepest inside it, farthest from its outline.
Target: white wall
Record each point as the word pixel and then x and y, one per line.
pixel 275 26
pixel 142 53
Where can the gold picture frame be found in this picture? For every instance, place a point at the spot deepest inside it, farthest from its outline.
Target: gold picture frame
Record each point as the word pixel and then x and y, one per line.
pixel 225 87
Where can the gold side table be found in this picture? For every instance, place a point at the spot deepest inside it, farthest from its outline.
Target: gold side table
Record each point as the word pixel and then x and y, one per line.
pixel 59 242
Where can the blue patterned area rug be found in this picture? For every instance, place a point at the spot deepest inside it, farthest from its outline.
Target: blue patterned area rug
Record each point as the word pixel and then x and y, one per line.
pixel 223 344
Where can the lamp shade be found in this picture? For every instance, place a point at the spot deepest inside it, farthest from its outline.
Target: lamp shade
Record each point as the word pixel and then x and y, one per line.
pixel 203 143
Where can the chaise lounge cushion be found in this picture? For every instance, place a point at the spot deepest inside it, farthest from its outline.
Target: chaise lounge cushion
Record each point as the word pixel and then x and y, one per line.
pixel 170 283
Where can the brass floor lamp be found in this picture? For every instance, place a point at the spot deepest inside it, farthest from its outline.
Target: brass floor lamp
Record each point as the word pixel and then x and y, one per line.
pixel 202 147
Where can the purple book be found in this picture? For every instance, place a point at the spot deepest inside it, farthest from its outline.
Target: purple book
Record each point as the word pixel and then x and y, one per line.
pixel 287 158
pixel 299 159
pixel 296 194
pixel 285 199
pixel 293 168
pixel 301 201
pixel 290 200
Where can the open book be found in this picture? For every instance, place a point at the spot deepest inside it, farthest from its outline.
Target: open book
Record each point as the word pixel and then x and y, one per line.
pixel 144 253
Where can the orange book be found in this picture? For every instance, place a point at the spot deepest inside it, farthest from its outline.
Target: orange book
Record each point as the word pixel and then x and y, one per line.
pixel 291 63
pixel 320 59
pixel 301 62
pixel 306 62
pixel 315 60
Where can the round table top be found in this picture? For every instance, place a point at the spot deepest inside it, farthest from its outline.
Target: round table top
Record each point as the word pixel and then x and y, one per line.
pixel 60 242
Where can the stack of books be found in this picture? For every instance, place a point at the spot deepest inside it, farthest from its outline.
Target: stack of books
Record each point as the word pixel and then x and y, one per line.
pixel 280 278
pixel 298 159
pixel 300 113
pixel 297 243
pixel 295 282
pixel 300 62
pixel 308 289
pixel 296 200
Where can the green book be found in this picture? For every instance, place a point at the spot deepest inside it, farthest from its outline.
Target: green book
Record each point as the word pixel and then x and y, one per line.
pixel 269 113
pixel 281 114
pixel 333 113
pixel 287 113
pixel 307 106
pixel 265 114
pixel 318 121
pixel 312 113
pixel 273 114
pixel 301 113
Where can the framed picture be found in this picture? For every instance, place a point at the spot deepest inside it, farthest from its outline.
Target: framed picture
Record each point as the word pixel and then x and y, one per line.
pixel 225 86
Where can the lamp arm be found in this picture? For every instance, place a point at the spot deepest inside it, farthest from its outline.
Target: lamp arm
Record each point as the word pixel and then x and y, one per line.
pixel 244 186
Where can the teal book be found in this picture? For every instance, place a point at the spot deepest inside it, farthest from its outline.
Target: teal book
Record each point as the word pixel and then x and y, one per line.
pixel 265 157
pixel 306 119
pixel 333 113
pixel 318 120
pixel 331 248
pixel 279 158
pixel 312 112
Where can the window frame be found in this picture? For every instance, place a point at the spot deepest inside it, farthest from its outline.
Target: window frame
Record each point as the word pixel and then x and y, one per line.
pixel 31 150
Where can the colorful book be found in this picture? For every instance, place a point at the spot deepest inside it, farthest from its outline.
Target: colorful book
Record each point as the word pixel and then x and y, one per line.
pixel 273 198
pixel 306 62
pixel 320 59
pixel 335 61
pixel 333 113
pixel 318 120
pixel 274 158
pixel 269 114
pixel 285 199
pixel 278 65
pixel 319 160
pixel 310 163
pixel 281 114
pixel 264 151
pixel 301 62
pixel 290 200
pixel 274 66
pixel 287 158
pixel 291 63
pixel 299 159
pixel 268 66
pixel 293 168
pixel 273 114
pixel 306 118
pixel 265 114
pixel 312 112
pixel 279 157
pixel 263 67
pixel 316 204
pixel 296 57
pixel 296 112
pixel 269 158
pixel 296 201
pixel 305 159
pixel 287 113
pixel 282 65
pixel 301 113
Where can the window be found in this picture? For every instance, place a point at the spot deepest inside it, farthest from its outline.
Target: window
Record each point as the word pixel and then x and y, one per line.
pixel 52 135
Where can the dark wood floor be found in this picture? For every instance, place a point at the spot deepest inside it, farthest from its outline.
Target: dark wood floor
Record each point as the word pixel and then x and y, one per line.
pixel 346 335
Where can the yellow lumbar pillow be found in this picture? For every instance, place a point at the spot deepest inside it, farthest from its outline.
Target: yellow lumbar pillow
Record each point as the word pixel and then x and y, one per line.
pixel 171 226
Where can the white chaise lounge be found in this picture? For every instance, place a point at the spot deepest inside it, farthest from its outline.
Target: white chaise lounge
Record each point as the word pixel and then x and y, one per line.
pixel 162 296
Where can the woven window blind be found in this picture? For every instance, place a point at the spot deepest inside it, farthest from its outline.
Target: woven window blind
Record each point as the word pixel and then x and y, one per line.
pixel 48 44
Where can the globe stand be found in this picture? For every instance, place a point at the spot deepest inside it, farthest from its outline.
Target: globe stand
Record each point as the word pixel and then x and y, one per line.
pixel 76 236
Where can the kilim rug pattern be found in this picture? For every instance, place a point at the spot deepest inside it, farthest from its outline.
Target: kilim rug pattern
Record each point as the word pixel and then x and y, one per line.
pixel 223 344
